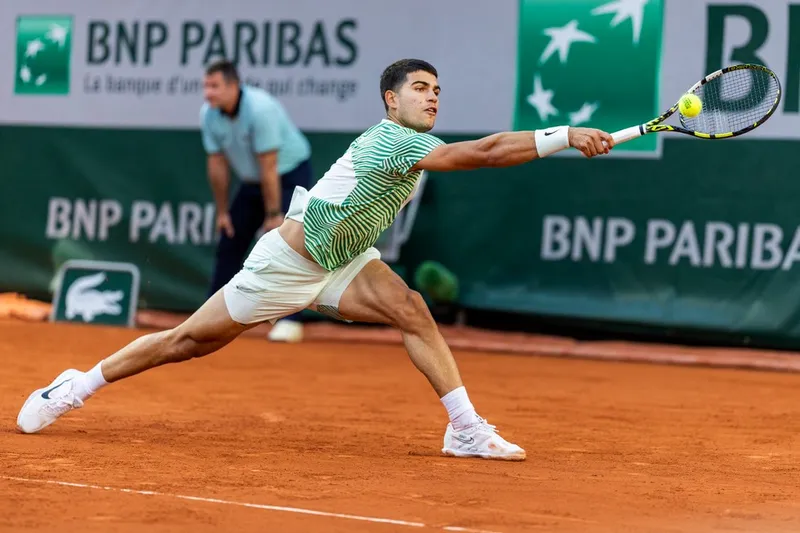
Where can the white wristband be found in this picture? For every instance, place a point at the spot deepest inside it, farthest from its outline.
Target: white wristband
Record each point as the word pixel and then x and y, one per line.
pixel 551 140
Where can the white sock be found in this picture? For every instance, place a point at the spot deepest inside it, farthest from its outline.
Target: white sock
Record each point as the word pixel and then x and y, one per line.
pixel 459 408
pixel 92 382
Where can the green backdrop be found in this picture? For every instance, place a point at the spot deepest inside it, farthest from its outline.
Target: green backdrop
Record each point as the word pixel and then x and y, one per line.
pixel 702 238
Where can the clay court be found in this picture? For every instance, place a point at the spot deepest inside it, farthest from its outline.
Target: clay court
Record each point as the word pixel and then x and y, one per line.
pixel 344 436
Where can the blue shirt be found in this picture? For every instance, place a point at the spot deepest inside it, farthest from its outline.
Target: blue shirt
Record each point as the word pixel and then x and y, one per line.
pixel 262 125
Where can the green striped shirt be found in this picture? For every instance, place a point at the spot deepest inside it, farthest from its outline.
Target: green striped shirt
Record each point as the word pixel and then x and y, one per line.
pixel 361 194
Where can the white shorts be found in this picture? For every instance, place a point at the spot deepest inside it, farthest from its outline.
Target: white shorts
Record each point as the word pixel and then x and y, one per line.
pixel 276 281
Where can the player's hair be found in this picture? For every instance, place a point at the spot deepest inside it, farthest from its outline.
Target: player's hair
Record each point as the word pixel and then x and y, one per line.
pixel 395 75
pixel 226 68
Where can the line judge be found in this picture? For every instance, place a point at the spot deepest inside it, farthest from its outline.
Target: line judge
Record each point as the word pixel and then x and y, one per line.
pixel 246 128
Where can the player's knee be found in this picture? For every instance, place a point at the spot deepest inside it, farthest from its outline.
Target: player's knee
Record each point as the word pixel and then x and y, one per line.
pixel 411 313
pixel 179 345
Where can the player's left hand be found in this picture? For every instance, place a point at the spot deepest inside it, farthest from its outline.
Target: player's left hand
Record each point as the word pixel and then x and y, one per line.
pixel 270 223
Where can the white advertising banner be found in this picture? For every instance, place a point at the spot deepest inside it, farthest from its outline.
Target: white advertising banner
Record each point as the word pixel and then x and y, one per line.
pixel 510 64
pixel 702 36
pixel 140 64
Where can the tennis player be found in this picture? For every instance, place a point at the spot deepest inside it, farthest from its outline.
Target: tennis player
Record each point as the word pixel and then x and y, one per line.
pixel 322 257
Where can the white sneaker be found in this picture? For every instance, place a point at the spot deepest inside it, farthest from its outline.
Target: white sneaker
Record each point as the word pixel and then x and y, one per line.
pixel 480 440
pixel 44 406
pixel 286 331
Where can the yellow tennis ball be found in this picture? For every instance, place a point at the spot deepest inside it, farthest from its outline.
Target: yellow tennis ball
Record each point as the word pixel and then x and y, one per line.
pixel 690 105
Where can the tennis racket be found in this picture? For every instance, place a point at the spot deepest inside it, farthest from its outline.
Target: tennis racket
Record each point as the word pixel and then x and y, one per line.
pixel 735 100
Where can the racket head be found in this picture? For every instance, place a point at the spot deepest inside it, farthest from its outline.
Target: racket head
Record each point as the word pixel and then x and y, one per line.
pixel 736 99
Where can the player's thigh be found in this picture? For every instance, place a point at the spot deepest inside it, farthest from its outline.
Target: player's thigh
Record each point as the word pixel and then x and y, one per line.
pixel 371 295
pixel 374 293
pixel 207 329
pixel 212 322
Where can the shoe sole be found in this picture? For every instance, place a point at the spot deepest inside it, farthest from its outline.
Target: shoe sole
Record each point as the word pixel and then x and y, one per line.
pixel 33 395
pixel 517 456
pixel 283 333
pixel 286 340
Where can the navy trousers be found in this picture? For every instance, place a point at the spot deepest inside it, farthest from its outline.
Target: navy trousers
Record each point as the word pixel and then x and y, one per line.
pixel 247 216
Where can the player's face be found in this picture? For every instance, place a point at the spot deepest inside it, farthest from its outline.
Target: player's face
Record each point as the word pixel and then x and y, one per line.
pixel 418 101
pixel 218 92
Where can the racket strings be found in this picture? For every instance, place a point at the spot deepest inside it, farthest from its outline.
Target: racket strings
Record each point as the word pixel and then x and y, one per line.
pixel 733 101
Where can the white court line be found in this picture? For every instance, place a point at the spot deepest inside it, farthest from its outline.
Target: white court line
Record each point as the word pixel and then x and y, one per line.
pixel 250 505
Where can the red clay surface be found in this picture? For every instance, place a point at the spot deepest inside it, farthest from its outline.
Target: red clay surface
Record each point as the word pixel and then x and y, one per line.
pixel 355 429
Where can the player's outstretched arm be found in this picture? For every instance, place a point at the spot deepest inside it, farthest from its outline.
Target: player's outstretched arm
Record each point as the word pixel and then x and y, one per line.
pixel 514 148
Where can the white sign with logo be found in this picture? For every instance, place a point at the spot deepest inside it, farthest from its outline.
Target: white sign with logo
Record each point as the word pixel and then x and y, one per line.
pixel 702 36
pixel 140 64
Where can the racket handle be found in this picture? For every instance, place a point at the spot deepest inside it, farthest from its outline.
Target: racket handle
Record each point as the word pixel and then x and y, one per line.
pixel 627 134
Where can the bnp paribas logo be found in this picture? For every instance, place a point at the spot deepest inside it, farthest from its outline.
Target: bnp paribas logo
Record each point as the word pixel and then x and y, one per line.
pixel 590 63
pixel 43 54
